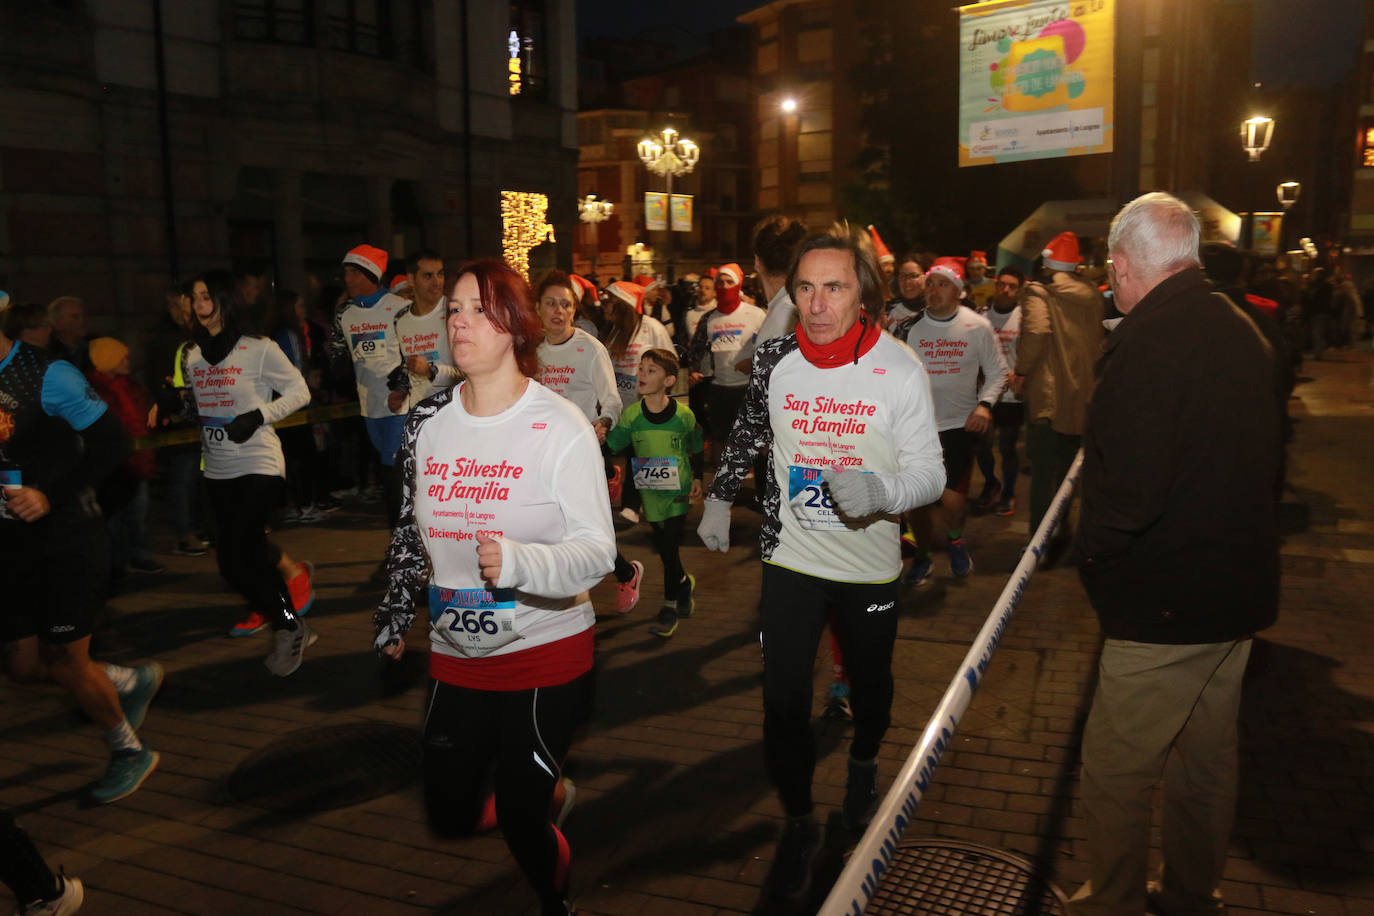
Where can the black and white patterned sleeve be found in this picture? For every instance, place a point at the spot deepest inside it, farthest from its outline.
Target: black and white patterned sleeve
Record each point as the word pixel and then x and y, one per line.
pixel 752 432
pixel 407 564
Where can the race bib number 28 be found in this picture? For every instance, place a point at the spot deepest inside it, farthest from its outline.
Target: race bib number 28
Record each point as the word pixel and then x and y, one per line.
pixel 475 621
pixel 810 501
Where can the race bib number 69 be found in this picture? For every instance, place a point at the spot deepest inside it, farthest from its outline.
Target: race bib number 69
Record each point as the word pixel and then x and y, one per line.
pixel 369 345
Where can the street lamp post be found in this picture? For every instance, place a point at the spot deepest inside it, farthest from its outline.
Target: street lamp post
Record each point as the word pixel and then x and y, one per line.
pixel 593 210
pixel 670 156
pixel 1287 193
pixel 1255 134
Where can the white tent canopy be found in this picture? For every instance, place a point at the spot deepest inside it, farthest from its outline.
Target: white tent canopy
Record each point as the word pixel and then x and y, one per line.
pixel 1091 219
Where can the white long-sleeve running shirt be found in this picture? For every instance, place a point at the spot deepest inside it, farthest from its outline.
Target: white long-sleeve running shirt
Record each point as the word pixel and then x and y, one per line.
pixel 579 369
pixel 953 350
pixel 242 382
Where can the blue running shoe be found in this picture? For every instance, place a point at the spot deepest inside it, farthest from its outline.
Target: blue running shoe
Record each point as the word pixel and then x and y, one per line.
pixel 919 573
pixel 960 563
pixel 147 682
pixel 124 775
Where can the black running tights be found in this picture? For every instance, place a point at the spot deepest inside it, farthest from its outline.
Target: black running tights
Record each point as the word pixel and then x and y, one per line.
pixel 520 738
pixel 864 619
pixel 247 559
pixel 21 867
pixel 667 538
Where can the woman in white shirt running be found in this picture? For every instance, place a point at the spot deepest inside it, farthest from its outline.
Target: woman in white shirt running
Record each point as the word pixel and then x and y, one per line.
pixel 232 377
pixel 504 527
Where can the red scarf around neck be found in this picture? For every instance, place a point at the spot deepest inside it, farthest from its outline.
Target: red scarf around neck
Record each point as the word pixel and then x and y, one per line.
pixel 850 345
pixel 727 299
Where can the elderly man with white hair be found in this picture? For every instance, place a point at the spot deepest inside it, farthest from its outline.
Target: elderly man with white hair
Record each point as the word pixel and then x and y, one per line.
pixel 1178 552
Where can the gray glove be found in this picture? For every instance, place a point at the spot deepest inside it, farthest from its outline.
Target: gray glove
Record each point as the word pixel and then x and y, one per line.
pixel 715 525
pixel 856 494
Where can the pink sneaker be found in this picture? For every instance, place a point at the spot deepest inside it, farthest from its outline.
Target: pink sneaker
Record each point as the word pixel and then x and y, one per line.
pixel 627 593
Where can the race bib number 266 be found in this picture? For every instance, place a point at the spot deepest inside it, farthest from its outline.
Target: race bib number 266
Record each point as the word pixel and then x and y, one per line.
pixel 474 621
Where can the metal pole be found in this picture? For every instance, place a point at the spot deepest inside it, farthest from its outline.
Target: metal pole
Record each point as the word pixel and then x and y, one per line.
pixel 670 227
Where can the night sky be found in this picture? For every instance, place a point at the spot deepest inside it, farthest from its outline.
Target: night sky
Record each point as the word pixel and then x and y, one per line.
pixel 1293 46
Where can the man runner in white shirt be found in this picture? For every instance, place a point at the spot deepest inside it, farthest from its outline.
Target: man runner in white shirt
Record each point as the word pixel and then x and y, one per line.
pixel 427 362
pixel 845 414
pixel 954 343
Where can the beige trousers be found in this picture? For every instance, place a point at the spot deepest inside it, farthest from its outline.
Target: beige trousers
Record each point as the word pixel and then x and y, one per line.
pixel 1161 711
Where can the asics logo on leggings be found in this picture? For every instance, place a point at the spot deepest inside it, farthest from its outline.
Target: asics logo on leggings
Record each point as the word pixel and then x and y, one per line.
pixel 881 607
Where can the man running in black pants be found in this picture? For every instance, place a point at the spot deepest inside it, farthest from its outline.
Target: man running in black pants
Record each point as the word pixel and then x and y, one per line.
pixel 57 441
pixel 844 412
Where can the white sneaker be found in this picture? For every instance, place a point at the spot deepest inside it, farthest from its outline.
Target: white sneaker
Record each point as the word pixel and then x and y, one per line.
pixel 288 649
pixel 69 901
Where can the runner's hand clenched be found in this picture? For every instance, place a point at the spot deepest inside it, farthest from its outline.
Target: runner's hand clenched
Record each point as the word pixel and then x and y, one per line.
pixel 489 558
pixel 715 525
pixel 856 494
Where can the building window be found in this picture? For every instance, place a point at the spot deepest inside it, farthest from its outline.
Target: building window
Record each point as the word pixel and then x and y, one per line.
pixel 1367 147
pixel 527 60
pixel 284 21
pixel 360 26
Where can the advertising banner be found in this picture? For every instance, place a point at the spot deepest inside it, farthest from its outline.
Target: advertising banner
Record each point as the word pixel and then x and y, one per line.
pixel 1035 79
pixel 1266 230
pixel 682 212
pixel 655 211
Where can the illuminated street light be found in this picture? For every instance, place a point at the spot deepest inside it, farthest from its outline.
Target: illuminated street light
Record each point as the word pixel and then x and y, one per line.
pixel 1287 194
pixel 671 156
pixel 592 209
pixel 789 105
pixel 1255 134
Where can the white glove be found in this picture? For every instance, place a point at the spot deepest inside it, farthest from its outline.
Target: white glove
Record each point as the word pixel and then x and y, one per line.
pixel 715 525
pixel 856 494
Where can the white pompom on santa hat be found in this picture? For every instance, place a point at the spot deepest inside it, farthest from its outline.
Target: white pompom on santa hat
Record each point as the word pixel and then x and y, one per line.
pixel 629 293
pixel 1062 253
pixel 368 258
pixel 952 269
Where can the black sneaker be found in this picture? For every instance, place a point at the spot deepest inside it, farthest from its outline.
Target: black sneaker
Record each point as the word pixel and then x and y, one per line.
pixel 686 603
pixel 800 846
pixel 860 795
pixel 666 624
pixel 147 567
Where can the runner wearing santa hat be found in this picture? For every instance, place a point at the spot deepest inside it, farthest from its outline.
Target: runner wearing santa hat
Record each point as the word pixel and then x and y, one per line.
pixel 954 343
pixel 978 286
pixel 364 340
pixel 715 351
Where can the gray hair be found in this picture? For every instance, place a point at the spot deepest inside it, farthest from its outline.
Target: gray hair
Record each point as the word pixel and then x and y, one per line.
pixel 1158 232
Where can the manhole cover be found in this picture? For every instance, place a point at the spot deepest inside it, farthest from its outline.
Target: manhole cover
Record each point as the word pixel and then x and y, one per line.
pixel 947 877
pixel 316 769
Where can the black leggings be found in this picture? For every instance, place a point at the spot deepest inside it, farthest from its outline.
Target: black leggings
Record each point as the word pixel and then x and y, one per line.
pixel 247 559
pixel 22 869
pixel 666 537
pixel 520 737
pixel 864 619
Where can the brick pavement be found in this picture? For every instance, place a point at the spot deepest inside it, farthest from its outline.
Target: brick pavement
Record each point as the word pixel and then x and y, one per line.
pixel 674 814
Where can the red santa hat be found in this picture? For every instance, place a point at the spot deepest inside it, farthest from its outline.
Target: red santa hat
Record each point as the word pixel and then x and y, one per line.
pixel 367 258
pixel 952 269
pixel 627 292
pixel 733 270
pixel 400 282
pixel 1062 252
pixel 583 285
pixel 977 257
pixel 644 280
pixel 879 249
